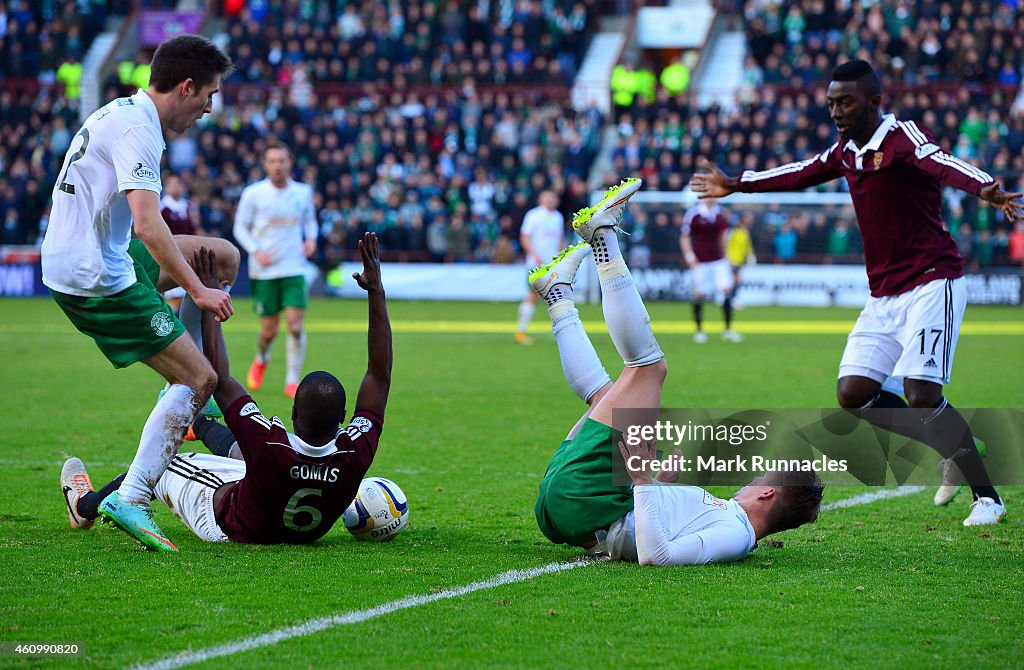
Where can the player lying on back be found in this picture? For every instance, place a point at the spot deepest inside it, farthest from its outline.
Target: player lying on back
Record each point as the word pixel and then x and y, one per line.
pixel 290 488
pixel 578 503
pixel 909 327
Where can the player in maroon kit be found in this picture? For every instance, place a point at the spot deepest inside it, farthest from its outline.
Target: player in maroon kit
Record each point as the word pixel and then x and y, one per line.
pixel 908 330
pixel 702 241
pixel 290 488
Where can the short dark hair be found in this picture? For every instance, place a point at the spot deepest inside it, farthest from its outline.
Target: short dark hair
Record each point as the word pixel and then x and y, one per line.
pixel 859 71
pixel 187 57
pixel 798 498
pixel 319 403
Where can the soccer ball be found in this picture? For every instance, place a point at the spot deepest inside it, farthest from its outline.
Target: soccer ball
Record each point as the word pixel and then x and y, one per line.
pixel 379 512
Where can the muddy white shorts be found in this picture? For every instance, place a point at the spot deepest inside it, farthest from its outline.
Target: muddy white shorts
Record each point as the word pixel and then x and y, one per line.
pixel 187 488
pixel 912 334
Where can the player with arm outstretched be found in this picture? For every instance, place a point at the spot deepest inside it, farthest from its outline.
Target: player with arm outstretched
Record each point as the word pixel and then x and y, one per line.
pixel 109 285
pixel 579 504
pixel 909 328
pixel 289 487
pixel 276 225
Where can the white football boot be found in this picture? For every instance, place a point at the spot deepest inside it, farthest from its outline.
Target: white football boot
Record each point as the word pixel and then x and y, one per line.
pixel 74 483
pixel 561 270
pixel 608 212
pixel 985 512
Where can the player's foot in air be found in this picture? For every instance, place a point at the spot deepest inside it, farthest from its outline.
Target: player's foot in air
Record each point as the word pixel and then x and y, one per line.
pixel 985 512
pixel 523 338
pixel 731 336
pixel 608 212
pixel 290 388
pixel 137 521
pixel 560 271
pixel 74 483
pixel 254 380
pixel 700 337
pixel 952 478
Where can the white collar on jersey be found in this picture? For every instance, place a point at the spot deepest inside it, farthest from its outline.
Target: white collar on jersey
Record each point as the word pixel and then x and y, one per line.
pixel 303 447
pixel 888 122
pixel 142 98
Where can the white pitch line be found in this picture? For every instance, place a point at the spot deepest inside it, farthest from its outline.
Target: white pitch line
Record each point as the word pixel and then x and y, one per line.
pixel 865 498
pixel 316 625
pixel 312 626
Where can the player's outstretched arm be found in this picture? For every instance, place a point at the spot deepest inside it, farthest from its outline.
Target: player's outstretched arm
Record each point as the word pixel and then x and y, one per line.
pixel 228 389
pixel 373 392
pixel 154 233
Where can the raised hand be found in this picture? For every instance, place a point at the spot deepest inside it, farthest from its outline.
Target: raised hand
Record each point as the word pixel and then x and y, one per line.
pixel 1009 203
pixel 638 458
pixel 210 298
pixel 712 182
pixel 369 249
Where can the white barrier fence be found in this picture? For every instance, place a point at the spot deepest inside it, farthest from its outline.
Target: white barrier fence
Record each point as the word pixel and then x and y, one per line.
pixel 762 285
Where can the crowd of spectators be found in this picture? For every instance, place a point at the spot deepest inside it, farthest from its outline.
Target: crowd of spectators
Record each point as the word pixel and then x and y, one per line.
pixel 410 43
pixel 446 172
pixel 448 177
pixel 913 42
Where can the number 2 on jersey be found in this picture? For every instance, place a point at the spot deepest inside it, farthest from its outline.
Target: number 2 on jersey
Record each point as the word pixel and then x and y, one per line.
pixel 293 508
pixel 65 186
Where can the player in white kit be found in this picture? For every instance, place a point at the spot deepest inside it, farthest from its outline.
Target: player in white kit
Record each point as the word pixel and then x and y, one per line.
pixel 541 237
pixel 276 225
pixel 579 504
pixel 109 285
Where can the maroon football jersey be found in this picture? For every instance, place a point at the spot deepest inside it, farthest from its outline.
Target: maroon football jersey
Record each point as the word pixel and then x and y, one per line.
pixel 293 492
pixel 896 184
pixel 177 216
pixel 705 226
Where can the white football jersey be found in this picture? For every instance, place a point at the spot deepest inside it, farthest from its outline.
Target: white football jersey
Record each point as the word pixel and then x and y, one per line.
pixel 85 250
pixel 276 221
pixel 546 230
pixel 681 525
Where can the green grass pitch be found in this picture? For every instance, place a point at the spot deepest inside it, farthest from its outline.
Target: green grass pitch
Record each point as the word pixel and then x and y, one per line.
pixel 471 423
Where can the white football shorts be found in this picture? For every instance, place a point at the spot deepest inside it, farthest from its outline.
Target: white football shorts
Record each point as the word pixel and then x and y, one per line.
pixel 187 488
pixel 711 278
pixel 912 334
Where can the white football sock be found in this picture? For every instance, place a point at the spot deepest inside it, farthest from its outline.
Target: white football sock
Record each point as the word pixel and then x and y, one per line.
pixel 192 318
pixel 525 315
pixel 161 437
pixel 629 324
pixel 580 364
pixel 296 356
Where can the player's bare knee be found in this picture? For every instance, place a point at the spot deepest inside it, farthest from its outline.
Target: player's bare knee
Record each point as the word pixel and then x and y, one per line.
pixel 850 395
pixel 229 259
pixel 923 397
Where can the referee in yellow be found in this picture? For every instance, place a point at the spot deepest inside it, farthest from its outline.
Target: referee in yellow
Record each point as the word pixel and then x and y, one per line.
pixel 739 249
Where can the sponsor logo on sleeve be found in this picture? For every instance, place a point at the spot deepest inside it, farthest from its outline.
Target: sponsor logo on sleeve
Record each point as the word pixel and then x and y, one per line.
pixel 925 150
pixel 362 424
pixel 144 173
pixel 249 408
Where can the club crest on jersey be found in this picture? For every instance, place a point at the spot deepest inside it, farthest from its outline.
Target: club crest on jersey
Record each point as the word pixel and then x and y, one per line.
pixel 362 423
pixel 879 157
pixel 143 173
pixel 162 324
